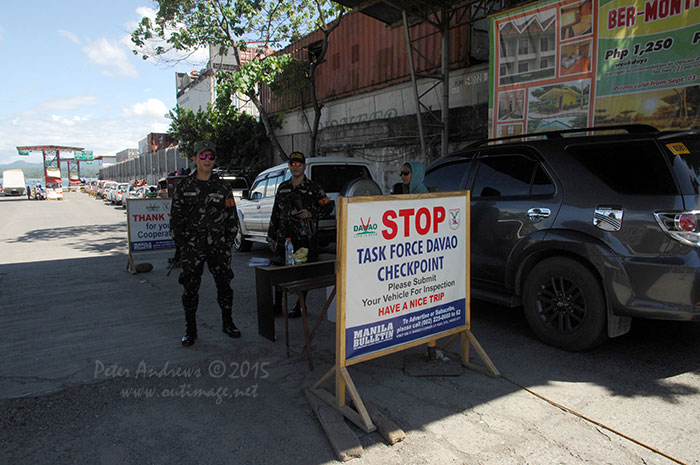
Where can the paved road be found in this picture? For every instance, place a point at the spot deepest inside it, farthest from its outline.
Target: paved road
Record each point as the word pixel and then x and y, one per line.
pixel 91 371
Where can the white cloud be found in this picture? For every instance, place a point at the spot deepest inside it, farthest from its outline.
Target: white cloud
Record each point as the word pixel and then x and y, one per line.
pixel 150 109
pixel 111 57
pixel 104 136
pixel 69 35
pixel 62 120
pixel 68 103
pixel 144 11
pixel 196 58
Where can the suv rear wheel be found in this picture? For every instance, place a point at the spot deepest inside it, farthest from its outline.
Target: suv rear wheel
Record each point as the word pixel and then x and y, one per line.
pixel 239 242
pixel 564 304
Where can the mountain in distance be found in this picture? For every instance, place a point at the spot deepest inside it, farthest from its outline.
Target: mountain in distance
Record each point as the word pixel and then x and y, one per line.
pixel 36 170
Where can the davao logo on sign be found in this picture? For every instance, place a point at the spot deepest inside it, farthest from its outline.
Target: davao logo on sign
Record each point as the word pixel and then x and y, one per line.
pixel 455 218
pixel 152 207
pixel 365 228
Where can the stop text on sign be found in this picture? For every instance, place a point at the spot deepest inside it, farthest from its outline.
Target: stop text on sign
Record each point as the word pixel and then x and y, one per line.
pixel 407 220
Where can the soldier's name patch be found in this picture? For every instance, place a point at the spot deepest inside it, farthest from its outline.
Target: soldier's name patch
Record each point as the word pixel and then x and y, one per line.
pixel 190 194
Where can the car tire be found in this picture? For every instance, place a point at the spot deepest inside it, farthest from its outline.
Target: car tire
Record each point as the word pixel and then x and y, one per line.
pixel 565 305
pixel 239 242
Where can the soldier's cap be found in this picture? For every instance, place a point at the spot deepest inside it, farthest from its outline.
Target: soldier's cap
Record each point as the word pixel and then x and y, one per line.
pixel 203 145
pixel 297 156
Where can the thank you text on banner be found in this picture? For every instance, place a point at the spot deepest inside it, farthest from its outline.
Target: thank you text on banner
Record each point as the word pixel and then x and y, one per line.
pixel 149 225
pixel 406 270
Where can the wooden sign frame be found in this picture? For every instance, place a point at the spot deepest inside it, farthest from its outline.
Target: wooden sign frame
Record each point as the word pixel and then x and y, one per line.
pixel 339 372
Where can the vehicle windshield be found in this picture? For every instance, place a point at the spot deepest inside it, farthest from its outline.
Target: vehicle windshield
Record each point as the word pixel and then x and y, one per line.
pixel 333 177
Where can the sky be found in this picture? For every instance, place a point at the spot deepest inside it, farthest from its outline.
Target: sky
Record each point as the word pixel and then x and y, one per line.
pixel 71 78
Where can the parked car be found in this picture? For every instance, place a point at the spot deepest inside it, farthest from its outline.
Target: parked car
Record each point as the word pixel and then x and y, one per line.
pixel 133 192
pixel 118 194
pixel 585 231
pixel 166 186
pixel 255 207
pixel 111 194
pixel 92 187
pixel 103 191
pixel 238 183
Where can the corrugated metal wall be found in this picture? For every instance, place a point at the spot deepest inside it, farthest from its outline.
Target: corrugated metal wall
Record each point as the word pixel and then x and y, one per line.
pixel 364 54
pixel 151 166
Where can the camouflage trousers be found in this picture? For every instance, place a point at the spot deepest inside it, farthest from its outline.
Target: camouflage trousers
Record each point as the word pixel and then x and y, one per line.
pixel 218 259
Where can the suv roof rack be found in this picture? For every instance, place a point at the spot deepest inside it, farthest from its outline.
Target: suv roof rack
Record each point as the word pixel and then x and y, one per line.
pixel 630 128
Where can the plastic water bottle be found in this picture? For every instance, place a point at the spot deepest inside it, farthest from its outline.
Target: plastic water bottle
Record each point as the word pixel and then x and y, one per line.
pixel 288 252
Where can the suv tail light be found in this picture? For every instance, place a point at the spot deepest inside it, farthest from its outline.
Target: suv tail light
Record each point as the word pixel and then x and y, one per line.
pixel 682 226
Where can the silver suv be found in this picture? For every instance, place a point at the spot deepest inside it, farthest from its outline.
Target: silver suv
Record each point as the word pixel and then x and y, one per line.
pixel 255 208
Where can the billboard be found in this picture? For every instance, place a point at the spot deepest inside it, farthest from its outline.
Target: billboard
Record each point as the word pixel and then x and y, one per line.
pixel 569 64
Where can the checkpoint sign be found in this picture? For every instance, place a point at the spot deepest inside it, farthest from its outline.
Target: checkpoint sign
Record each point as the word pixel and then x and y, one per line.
pixel 406 271
pixel 83 155
pixel 148 225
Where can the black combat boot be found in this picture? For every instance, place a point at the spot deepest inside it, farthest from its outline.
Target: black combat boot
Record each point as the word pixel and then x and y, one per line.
pixel 191 330
pixel 228 327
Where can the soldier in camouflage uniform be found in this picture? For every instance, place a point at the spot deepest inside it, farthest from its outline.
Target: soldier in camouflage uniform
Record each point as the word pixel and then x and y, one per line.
pixel 203 225
pixel 299 204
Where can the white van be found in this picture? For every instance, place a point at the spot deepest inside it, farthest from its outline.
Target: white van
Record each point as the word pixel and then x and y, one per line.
pixel 255 208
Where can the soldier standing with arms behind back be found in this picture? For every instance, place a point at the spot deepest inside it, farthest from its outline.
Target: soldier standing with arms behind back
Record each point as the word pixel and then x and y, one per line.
pixel 203 225
pixel 299 204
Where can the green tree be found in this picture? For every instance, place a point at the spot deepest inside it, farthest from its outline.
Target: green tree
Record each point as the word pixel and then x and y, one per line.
pixel 238 136
pixel 186 25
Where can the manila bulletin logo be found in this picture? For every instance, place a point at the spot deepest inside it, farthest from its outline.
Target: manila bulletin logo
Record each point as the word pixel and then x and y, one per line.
pixel 365 228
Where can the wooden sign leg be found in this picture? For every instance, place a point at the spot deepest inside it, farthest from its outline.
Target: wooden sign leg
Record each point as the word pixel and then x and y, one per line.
pixel 359 414
pixel 130 266
pixel 467 338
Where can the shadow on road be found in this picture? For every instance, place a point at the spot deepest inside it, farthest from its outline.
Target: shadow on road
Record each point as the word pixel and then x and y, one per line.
pixel 639 363
pixel 113 237
pixel 100 312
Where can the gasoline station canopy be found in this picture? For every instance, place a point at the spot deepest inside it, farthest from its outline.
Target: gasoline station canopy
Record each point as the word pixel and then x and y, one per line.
pixel 47 148
pixel 51 155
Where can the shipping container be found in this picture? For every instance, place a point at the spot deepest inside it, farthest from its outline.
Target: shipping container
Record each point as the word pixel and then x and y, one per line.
pixel 365 54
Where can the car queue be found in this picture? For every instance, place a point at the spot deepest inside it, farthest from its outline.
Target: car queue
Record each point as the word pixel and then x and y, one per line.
pixel 117 193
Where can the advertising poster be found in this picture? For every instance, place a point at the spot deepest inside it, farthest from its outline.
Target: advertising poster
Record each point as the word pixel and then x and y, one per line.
pixel 569 64
pixel 648 63
pixel 149 225
pixel 406 271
